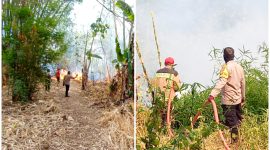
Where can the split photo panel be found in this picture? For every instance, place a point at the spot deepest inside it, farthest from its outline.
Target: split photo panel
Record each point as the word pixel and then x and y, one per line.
pixel 134 74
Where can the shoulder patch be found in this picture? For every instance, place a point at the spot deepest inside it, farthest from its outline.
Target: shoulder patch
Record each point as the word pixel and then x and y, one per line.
pixel 224 72
pixel 163 75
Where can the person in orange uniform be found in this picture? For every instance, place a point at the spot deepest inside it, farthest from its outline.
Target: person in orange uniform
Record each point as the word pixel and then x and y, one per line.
pixel 167 80
pixel 58 76
pixel 231 85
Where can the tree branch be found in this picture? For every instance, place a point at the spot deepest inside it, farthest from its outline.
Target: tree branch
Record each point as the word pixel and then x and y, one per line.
pixel 112 11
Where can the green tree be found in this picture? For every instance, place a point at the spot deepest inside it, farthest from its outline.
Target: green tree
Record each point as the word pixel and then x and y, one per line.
pixel 98 28
pixel 32 39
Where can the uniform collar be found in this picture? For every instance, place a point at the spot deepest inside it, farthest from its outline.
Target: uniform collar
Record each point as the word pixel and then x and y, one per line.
pixel 168 67
pixel 229 61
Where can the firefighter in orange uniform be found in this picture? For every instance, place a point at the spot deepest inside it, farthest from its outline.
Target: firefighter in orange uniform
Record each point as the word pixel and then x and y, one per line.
pixel 167 80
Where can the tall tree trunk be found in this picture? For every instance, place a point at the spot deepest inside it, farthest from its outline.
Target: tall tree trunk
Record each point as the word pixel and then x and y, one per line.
pixel 124 32
pixel 106 63
pixel 84 70
pixel 114 19
pixel 91 47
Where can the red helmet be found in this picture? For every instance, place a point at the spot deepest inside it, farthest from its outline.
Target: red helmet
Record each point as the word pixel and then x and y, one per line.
pixel 169 61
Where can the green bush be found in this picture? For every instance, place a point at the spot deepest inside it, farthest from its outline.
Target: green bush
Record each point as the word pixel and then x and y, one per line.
pixel 256 91
pixel 32 39
pixel 254 129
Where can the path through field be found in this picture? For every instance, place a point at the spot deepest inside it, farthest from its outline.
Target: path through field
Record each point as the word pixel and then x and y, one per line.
pixel 214 141
pixel 85 120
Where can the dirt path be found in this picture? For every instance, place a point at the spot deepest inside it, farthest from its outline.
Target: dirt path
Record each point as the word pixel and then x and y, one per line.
pixel 84 119
pixel 55 122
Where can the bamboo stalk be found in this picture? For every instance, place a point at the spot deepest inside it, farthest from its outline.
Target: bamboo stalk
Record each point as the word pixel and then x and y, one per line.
pixel 155 34
pixel 142 63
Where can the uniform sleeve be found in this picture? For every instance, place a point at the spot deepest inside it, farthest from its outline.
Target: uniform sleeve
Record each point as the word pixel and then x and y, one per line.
pixel 243 87
pixel 219 85
pixel 223 79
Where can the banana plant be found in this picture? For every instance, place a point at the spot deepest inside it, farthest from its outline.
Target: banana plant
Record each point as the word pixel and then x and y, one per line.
pixel 123 58
pixel 128 15
pixel 127 11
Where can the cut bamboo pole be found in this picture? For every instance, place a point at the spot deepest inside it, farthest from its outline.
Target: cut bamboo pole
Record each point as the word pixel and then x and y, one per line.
pixel 155 35
pixel 142 63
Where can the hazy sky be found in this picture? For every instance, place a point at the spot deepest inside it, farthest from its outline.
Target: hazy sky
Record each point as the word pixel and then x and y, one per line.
pixel 188 29
pixel 86 13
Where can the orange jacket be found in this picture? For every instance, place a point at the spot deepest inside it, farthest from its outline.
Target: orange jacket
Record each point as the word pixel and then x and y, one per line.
pixel 231 84
pixel 57 74
pixel 168 81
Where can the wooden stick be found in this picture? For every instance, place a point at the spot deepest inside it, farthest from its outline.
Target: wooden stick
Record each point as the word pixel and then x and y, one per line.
pixel 155 34
pixel 142 63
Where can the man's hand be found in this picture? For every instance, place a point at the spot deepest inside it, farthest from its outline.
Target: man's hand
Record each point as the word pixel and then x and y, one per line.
pixel 211 98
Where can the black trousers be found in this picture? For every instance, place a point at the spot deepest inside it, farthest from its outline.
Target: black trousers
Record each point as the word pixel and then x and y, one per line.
pixel 233 116
pixel 67 89
pixel 48 85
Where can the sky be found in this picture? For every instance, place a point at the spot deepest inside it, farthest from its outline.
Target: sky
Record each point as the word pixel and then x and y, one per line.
pixel 188 29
